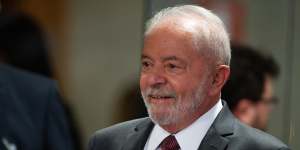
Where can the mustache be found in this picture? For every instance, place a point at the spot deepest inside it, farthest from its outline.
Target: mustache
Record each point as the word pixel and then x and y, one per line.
pixel 159 92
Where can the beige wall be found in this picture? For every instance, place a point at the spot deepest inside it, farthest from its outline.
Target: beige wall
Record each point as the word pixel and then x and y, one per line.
pixel 294 132
pixel 105 42
pixel 267 30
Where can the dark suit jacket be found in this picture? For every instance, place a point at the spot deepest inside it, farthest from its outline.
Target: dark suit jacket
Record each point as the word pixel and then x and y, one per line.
pixel 226 133
pixel 32 117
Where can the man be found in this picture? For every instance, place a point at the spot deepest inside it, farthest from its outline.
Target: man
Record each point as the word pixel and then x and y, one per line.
pixel 32 117
pixel 251 102
pixel 185 63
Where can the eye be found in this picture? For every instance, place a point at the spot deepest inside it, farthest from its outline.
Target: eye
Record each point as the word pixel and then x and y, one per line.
pixel 146 65
pixel 173 68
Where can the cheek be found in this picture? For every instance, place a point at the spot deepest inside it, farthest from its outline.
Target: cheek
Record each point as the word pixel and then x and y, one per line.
pixel 143 82
pixel 182 86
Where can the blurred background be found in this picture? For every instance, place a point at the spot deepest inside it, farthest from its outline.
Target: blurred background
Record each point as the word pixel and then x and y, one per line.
pixel 93 50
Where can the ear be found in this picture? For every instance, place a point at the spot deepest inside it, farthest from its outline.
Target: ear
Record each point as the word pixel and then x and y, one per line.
pixel 245 111
pixel 220 77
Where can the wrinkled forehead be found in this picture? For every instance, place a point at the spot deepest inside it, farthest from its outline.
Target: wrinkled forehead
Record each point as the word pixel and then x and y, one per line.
pixel 169 37
pixel 189 30
pixel 179 24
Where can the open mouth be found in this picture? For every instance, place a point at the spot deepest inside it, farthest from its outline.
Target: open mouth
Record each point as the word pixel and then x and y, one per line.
pixel 160 99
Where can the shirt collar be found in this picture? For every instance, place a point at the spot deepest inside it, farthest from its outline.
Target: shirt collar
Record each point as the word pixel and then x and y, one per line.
pixel 157 135
pixel 190 137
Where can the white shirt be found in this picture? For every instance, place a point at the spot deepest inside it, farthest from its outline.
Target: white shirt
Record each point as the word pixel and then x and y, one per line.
pixel 190 137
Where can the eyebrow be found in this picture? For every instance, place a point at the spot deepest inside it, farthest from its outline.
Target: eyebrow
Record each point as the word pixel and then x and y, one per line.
pixel 144 57
pixel 168 58
pixel 171 58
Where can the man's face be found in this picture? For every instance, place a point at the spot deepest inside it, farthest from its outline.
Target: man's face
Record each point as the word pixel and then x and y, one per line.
pixel 174 76
pixel 264 107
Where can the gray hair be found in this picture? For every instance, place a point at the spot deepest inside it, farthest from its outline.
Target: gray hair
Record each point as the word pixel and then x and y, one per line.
pixel 210 31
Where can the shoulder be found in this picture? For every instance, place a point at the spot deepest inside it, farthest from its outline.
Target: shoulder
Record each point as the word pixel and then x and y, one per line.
pixel 30 91
pixel 246 136
pixel 118 130
pixel 13 76
pixel 108 137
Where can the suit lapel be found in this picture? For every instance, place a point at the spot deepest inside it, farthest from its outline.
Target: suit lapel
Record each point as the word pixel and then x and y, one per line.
pixel 223 126
pixel 213 141
pixel 215 138
pixel 137 139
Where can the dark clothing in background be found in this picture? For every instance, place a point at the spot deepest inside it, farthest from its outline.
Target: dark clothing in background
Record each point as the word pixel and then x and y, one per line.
pixel 226 133
pixel 24 45
pixel 32 117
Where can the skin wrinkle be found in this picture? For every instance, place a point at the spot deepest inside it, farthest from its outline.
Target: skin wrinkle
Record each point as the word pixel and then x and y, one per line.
pixel 176 112
pixel 205 32
pixel 188 28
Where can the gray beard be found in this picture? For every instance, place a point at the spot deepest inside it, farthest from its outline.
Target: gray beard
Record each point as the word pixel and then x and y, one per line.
pixel 182 109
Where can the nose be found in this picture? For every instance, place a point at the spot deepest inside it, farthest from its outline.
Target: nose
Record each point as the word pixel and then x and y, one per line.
pixel 157 79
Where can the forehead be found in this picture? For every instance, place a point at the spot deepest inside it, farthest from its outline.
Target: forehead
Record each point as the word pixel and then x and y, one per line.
pixel 167 39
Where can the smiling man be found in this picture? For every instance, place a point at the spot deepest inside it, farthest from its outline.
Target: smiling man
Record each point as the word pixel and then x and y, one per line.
pixel 184 64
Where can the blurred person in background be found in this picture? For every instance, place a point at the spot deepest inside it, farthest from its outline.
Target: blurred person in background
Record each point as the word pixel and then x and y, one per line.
pixel 23 45
pixel 32 117
pixel 249 90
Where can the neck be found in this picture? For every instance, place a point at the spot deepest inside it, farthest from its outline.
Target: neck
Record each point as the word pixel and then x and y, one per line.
pixel 188 119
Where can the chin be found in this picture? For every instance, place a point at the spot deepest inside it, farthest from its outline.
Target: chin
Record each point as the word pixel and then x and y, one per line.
pixel 164 116
pixel 162 120
pixel 159 112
